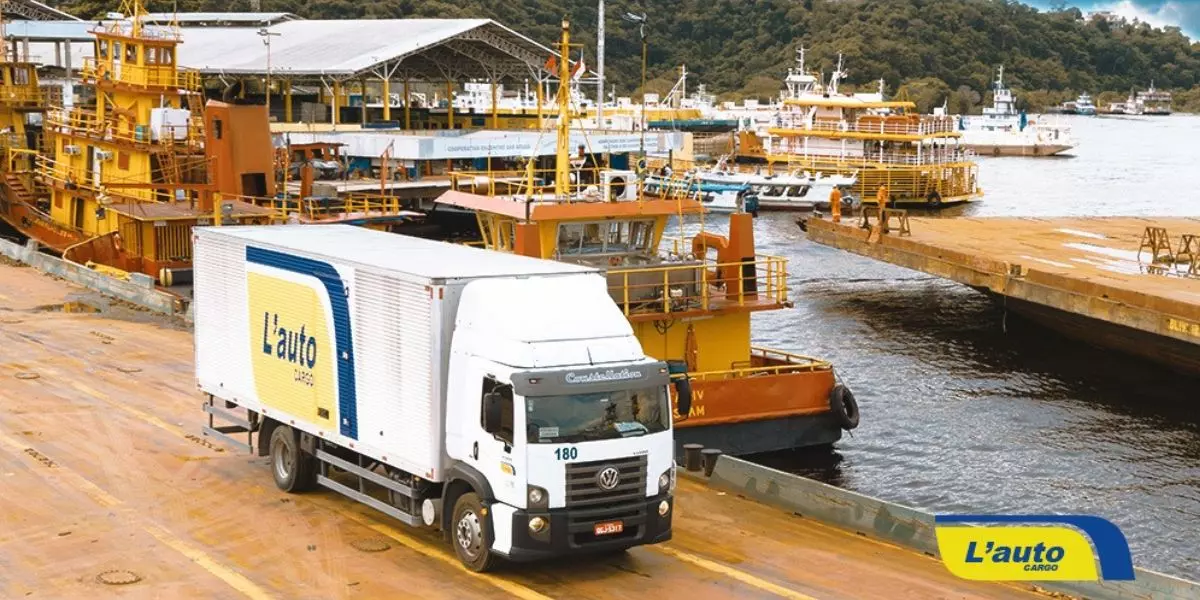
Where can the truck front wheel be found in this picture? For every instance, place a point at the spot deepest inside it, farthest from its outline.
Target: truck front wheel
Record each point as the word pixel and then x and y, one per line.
pixel 294 470
pixel 470 544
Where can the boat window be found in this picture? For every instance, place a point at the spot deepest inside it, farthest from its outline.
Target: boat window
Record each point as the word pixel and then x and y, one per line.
pixel 609 237
pixel 102 49
pixel 20 75
pixel 168 56
pixel 775 191
pixel 794 191
pixel 131 53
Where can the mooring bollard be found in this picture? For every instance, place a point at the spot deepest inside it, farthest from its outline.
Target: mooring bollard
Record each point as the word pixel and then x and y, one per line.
pixel 710 460
pixel 691 456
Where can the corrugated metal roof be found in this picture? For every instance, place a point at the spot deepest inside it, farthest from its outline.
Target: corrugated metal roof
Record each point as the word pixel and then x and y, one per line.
pixel 333 48
pixel 77 31
pixel 34 10
pixel 337 49
pixel 222 17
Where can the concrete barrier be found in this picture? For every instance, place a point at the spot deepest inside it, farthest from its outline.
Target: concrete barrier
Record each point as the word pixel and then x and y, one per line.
pixel 907 527
pixel 138 290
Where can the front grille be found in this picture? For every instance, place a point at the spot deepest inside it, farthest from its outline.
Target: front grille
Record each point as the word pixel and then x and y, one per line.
pixel 584 491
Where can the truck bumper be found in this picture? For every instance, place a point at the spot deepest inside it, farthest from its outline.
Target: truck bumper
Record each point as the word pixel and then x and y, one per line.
pixel 572 531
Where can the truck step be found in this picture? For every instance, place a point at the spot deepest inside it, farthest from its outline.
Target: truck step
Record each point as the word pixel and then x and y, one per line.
pixel 234 424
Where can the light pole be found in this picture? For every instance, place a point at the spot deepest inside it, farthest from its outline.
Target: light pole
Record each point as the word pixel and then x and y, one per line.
pixel 641 23
pixel 266 36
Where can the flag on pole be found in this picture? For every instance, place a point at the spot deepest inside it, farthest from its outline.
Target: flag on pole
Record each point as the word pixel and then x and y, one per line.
pixel 577 72
pixel 551 63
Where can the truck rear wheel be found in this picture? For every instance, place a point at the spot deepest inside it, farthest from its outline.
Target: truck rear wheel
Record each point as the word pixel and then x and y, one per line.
pixel 470 544
pixel 293 470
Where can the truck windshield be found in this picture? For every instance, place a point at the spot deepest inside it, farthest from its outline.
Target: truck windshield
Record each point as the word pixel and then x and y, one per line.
pixel 597 416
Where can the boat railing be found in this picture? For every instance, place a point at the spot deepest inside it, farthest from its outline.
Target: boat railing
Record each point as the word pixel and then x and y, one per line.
pixel 795 123
pixel 20 95
pixel 327 209
pixel 930 156
pixel 87 123
pixel 586 183
pixel 764 362
pixel 699 286
pixel 156 76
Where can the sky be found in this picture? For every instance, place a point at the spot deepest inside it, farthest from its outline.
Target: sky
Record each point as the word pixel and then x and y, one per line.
pixel 1184 14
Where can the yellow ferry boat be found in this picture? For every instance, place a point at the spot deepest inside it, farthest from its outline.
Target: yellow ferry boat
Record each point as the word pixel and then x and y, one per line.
pixel 882 143
pixel 127 177
pixel 690 305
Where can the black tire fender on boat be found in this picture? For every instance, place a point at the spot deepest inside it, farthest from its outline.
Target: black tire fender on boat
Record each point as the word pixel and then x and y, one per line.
pixel 843 406
pixel 934 199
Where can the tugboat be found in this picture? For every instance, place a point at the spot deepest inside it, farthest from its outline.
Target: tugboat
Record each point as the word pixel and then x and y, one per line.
pixel 688 300
pixel 1005 131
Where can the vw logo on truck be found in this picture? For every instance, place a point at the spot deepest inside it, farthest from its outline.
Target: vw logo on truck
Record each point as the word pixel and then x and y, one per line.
pixel 608 478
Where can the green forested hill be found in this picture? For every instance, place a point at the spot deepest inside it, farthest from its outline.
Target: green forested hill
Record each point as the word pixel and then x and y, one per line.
pixel 939 48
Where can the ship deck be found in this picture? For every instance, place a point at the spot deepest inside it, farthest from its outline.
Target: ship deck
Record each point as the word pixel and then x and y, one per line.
pixel 1083 276
pixel 103 470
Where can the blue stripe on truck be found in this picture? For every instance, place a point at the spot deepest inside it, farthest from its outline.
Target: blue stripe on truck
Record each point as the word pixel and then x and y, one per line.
pixel 335 288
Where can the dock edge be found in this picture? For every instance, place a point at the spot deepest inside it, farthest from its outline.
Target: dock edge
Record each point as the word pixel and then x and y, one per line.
pixel 139 290
pixel 907 527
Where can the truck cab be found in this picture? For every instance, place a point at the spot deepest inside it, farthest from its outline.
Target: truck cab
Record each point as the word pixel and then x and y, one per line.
pixel 557 416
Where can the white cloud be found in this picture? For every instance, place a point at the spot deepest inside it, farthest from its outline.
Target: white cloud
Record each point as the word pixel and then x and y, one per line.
pixel 1172 12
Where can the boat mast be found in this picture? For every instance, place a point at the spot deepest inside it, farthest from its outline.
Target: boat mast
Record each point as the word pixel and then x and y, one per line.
pixel 562 170
pixel 600 68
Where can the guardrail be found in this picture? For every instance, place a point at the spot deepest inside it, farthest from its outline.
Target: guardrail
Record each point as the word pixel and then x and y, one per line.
pixel 159 76
pixel 765 361
pixel 699 286
pixel 795 123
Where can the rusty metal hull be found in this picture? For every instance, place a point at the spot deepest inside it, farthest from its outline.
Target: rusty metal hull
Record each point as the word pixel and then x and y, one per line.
pixel 104 471
pixel 1082 276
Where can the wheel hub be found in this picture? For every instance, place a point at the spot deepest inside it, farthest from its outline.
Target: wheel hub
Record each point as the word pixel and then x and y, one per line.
pixel 469 534
pixel 284 458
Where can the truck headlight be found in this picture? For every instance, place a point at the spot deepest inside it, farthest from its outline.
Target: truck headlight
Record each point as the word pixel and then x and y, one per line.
pixel 666 481
pixel 664 507
pixel 538 498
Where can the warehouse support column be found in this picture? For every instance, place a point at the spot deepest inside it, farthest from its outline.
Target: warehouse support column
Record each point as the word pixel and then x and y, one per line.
pixel 495 112
pixel 407 113
pixel 449 104
pixel 362 93
pixel 337 100
pixel 386 94
pixel 287 100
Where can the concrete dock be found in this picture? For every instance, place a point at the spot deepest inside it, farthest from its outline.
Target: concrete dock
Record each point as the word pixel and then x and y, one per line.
pixel 1088 278
pixel 107 490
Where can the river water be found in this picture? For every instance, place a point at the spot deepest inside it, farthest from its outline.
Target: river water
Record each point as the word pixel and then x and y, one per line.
pixel 965 410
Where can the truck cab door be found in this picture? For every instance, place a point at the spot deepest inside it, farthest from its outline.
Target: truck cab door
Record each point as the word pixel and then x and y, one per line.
pixel 491 436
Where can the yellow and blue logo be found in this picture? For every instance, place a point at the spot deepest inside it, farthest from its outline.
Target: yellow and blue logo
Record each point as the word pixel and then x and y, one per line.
pixel 303 360
pixel 1033 547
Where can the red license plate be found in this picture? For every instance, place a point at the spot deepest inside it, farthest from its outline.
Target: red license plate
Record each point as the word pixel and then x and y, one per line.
pixel 609 528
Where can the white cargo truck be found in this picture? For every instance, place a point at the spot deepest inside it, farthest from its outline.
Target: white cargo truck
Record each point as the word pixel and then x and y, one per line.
pixel 501 399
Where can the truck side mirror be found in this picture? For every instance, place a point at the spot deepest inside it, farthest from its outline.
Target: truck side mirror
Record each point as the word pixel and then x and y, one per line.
pixel 493 412
pixel 683 395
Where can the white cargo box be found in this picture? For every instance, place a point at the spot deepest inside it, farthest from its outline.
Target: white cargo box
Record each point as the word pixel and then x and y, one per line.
pixel 341 331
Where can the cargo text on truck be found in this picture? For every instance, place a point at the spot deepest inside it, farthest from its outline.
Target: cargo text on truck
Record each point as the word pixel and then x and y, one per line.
pixel 456 391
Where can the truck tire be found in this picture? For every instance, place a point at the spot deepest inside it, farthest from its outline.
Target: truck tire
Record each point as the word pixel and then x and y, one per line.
pixel 293 469
pixel 467 534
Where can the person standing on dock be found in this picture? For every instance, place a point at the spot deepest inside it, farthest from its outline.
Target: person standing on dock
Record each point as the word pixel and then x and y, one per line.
pixel 835 204
pixel 881 197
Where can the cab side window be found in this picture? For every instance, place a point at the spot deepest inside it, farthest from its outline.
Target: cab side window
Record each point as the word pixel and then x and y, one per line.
pixel 491 386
